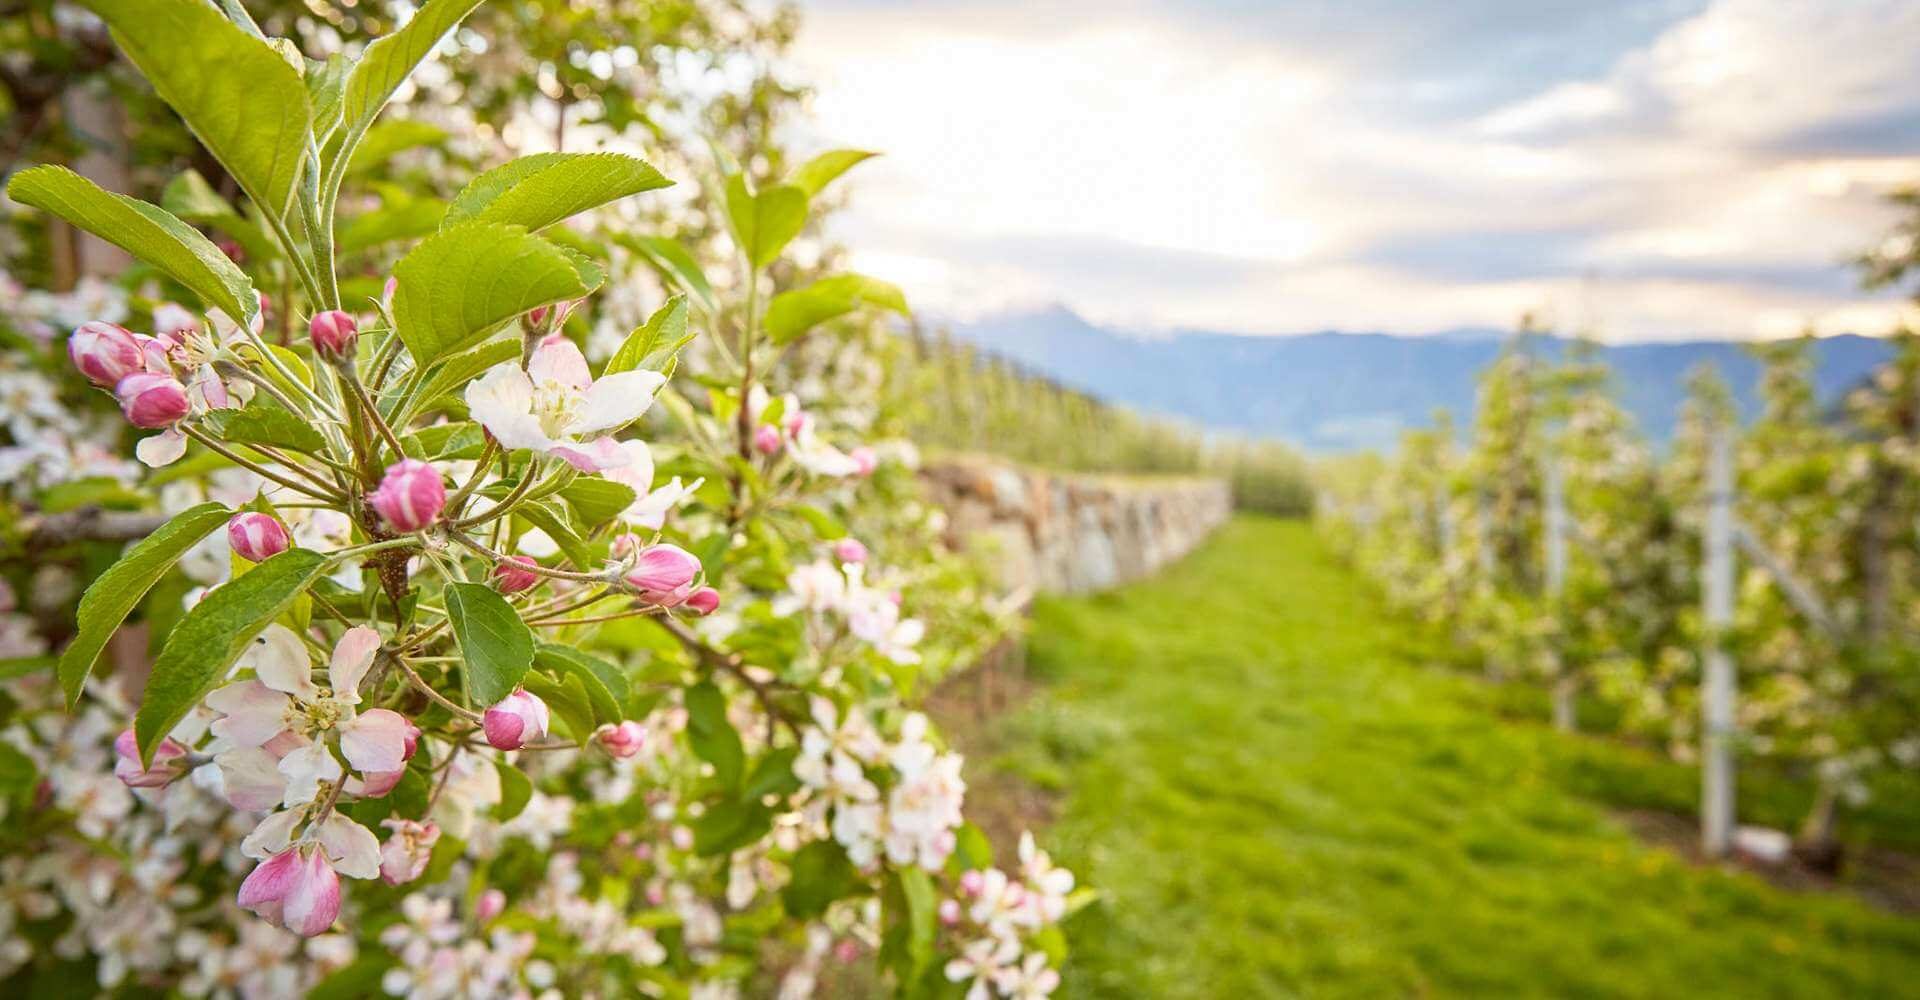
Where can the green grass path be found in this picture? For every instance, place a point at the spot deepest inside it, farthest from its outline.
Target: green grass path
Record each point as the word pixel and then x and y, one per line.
pixel 1277 800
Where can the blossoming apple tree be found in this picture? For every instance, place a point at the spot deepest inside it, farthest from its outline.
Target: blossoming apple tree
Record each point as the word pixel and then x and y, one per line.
pixel 543 676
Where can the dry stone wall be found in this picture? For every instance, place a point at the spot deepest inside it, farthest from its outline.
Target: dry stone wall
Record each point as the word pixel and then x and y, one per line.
pixel 1066 533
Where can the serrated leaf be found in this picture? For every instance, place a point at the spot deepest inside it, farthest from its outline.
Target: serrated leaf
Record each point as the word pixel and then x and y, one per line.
pixel 548 519
pixel 821 874
pixel 764 222
pixel 261 423
pixel 453 372
pixel 461 283
pixel 387 62
pixel 389 138
pixel 593 674
pixel 115 593
pixel 713 738
pixel 794 312
pixel 539 190
pixel 190 197
pixel 516 790
pixel 653 346
pixel 674 262
pixel 240 97
pixel 596 501
pixel 495 645
pixel 398 218
pixel 326 88
pixel 817 173
pixel 144 230
pixel 213 634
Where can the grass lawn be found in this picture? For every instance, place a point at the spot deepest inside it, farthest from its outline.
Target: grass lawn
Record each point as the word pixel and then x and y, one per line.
pixel 1277 798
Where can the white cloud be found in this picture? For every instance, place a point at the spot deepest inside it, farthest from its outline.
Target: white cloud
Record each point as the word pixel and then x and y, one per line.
pixel 1152 167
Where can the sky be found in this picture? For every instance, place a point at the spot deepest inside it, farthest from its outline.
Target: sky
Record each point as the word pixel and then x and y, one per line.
pixel 1638 169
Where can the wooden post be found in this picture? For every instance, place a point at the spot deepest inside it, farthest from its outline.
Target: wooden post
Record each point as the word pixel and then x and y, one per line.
pixel 1717 688
pixel 1554 527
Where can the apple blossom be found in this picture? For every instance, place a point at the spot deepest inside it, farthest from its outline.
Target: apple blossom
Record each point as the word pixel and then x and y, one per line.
pixel 663 573
pixel 624 740
pixel 865 460
pixel 295 889
pixel 170 762
pixel 516 720
pixel 336 335
pixel 405 854
pixel 556 407
pixel 704 601
pixel 104 353
pixel 491 904
pixel 256 537
pixel 650 505
pixel 410 496
pixel 767 439
pixel 849 550
pixel 152 400
pixel 511 577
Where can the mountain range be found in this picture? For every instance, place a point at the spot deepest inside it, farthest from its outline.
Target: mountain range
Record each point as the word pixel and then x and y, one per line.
pixel 1337 391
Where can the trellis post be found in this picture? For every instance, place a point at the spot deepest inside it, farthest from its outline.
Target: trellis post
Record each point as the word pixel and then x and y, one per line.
pixel 1716 703
pixel 1554 528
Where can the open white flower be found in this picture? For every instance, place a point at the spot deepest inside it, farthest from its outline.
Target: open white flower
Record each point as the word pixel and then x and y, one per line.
pixel 650 506
pixel 557 407
pixel 278 722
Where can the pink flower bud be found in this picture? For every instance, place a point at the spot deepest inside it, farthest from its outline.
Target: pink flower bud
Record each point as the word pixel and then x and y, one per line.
pixel 156 352
pixel 849 550
pixel 625 544
pixel 232 249
pixel 766 439
pixel 847 950
pixel 104 353
pixel 950 912
pixel 517 720
pixel 491 904
pixel 335 334
pixel 169 762
pixel 865 460
pixel 795 421
pixel 663 571
pixel 704 601
pixel 410 496
pixel 624 740
pixel 387 290
pixel 295 889
pixel 972 881
pixel 539 316
pixel 405 854
pixel 510 578
pixel 152 400
pixel 256 537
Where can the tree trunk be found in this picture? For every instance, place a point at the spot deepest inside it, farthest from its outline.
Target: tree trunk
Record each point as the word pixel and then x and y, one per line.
pixel 1816 846
pixel 1565 688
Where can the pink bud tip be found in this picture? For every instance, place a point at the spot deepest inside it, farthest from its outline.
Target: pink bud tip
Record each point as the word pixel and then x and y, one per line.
pixel 256 537
pixel 169 762
pixel 624 740
pixel 849 550
pixel 491 904
pixel 410 496
pixel 294 889
pixel 515 721
pixel 152 400
pixel 233 251
pixel 950 912
pixel 704 601
pixel 104 353
pixel 865 460
pixel 664 573
pixel 972 882
pixel 510 578
pixel 335 336
pixel 766 439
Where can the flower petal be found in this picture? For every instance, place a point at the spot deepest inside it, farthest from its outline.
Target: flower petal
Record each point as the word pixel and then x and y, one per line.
pixel 304 770
pixel 591 456
pixel 558 360
pixel 351 658
pixel 273 834
pixel 375 740
pixel 270 882
pixel 164 448
pixel 313 902
pixel 617 400
pixel 280 661
pixel 502 400
pixel 637 472
pixel 352 849
pixel 250 780
pixel 253 713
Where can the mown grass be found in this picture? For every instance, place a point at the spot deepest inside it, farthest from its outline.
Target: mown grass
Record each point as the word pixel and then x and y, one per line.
pixel 1276 798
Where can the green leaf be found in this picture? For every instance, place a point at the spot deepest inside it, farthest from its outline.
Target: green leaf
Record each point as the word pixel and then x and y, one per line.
pixel 547 518
pixel 398 218
pixel 17 771
pixel 326 88
pixel 461 283
pixel 190 197
pixel 361 978
pixel 387 62
pixel 263 423
pixel 595 500
pixel 821 874
pixel 143 230
pixel 239 95
pixel 539 190
pixel 973 850
pixel 773 774
pixel 455 372
pixel 922 911
pixel 570 664
pixel 713 738
pixel 764 223
pixel 516 790
pixel 653 346
pixel 822 170
pixel 115 593
pixel 792 313
pixel 496 645
pixel 728 826
pixel 213 634
pixel 674 262
pixel 383 141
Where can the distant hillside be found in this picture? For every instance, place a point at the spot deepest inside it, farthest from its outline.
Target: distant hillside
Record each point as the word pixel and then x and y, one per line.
pixel 1342 391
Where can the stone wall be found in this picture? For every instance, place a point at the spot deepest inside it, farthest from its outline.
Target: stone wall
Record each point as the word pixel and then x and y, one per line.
pixel 1062 533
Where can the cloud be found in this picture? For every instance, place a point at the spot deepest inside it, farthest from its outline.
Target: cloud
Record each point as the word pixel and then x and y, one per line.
pixel 1667 168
